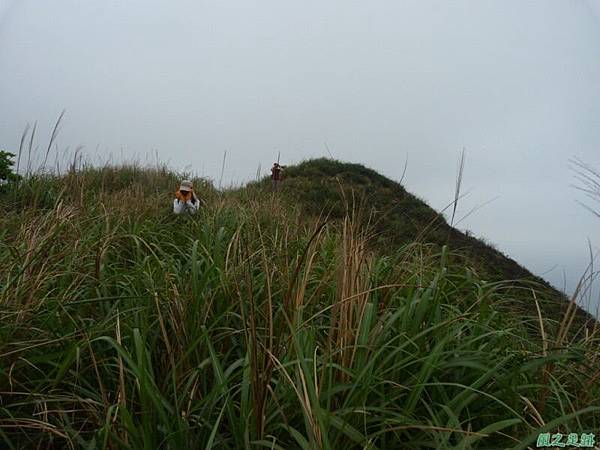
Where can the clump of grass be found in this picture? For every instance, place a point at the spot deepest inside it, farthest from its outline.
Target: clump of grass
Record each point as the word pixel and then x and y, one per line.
pixel 255 324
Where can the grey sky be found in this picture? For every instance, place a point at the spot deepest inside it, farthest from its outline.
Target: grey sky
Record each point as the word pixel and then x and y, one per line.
pixel 515 83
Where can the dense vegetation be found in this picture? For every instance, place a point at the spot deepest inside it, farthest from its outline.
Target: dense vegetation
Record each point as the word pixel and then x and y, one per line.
pixel 7 175
pixel 398 218
pixel 296 319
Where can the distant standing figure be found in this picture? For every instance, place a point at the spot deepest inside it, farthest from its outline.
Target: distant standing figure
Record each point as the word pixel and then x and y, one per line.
pixel 276 175
pixel 186 200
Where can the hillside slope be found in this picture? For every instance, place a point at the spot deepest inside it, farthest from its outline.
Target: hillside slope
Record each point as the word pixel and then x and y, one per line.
pixel 398 217
pixel 259 324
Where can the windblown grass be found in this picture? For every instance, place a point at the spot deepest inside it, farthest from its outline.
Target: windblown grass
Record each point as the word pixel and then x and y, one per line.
pixel 257 325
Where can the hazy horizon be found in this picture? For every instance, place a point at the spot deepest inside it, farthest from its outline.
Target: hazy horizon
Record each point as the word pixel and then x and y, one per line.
pixel 515 84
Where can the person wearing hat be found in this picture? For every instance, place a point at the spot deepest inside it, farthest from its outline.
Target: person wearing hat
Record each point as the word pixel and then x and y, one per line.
pixel 185 200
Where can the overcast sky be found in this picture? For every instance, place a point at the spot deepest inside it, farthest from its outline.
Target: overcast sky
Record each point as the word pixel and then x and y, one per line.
pixel 515 83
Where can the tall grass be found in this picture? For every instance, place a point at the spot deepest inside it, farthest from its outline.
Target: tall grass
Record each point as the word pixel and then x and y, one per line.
pixel 254 325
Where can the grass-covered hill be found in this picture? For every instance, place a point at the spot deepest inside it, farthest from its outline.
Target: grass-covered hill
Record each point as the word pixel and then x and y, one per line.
pixel 396 218
pixel 326 315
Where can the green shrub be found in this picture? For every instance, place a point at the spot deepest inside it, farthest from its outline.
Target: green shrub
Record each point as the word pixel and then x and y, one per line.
pixel 7 176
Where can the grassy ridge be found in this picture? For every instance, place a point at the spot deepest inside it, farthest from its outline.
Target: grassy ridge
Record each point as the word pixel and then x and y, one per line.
pixel 398 217
pixel 256 325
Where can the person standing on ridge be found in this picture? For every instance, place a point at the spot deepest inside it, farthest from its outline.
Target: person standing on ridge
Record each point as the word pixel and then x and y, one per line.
pixel 186 200
pixel 276 175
